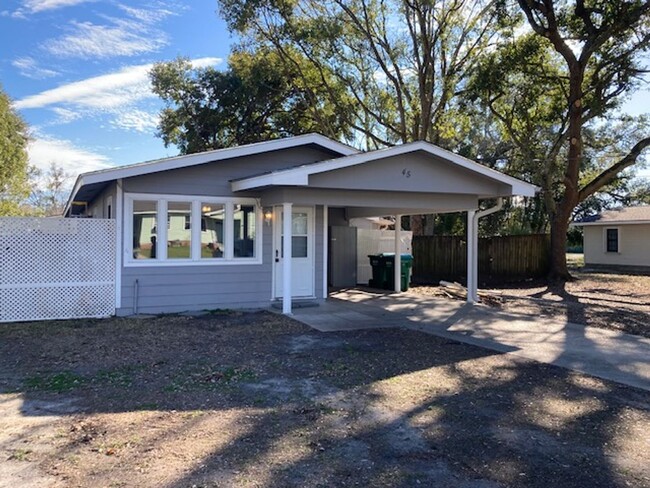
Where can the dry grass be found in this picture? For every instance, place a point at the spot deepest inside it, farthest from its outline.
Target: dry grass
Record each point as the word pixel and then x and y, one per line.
pixel 610 301
pixel 258 400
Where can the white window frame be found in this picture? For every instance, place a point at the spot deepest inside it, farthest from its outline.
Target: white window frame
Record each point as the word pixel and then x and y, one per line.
pixel 196 202
pixel 618 237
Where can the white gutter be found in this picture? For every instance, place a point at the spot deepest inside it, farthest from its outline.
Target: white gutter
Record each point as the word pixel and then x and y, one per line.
pixel 472 250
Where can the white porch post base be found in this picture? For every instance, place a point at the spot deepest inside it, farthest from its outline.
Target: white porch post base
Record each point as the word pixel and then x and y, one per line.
pixel 472 250
pixel 398 254
pixel 286 261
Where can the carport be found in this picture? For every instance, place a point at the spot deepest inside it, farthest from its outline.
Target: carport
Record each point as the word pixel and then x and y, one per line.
pixel 411 179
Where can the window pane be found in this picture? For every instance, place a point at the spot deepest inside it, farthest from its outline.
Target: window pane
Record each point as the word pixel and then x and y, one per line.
pixel 144 229
pixel 299 246
pixel 612 240
pixel 299 224
pixel 179 233
pixel 244 231
pixel 212 216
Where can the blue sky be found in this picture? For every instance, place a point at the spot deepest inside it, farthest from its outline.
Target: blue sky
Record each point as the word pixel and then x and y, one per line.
pixel 77 72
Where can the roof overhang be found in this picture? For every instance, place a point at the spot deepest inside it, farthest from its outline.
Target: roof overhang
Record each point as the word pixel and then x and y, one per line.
pixel 97 179
pixel 612 223
pixel 300 176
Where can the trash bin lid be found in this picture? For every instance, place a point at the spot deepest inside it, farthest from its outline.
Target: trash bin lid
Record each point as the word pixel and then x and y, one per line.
pixel 404 256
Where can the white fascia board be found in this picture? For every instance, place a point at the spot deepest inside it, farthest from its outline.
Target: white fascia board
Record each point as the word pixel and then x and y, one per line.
pixel 271 179
pixel 75 189
pixel 178 162
pixel 302 173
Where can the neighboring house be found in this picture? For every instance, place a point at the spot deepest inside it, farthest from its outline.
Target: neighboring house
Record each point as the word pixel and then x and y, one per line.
pixel 618 238
pixel 231 216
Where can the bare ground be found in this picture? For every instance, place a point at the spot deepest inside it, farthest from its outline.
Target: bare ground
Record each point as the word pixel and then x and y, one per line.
pixel 256 399
pixel 610 301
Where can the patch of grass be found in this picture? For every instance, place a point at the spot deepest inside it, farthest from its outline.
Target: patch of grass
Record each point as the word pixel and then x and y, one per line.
pixel 56 382
pixel 220 311
pixel 147 406
pixel 19 455
pixel 122 377
pixel 208 377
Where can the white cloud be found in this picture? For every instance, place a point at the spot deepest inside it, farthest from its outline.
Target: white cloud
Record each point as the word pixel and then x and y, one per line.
pixel 29 67
pixel 134 34
pixel 119 95
pixel 42 5
pixel 36 6
pixel 122 38
pixel 149 16
pixel 109 91
pixel 137 120
pixel 45 150
pixel 65 116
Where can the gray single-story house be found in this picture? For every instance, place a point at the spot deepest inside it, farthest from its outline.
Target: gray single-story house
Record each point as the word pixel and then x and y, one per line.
pixel 618 239
pixel 211 230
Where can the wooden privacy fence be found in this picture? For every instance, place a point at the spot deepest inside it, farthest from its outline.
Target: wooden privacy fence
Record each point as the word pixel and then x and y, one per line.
pixel 438 258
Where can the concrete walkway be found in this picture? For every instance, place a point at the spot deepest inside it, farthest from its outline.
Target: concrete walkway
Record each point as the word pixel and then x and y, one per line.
pixel 611 355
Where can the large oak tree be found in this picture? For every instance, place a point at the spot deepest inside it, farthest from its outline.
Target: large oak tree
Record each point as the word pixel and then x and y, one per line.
pixel 598 47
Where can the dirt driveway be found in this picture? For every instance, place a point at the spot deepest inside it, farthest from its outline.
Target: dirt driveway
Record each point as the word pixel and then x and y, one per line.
pixel 256 399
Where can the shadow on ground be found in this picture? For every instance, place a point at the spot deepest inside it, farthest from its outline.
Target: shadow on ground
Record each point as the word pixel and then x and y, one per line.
pixel 256 399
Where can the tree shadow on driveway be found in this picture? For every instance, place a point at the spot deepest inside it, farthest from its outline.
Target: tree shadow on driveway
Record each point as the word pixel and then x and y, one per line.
pixel 260 400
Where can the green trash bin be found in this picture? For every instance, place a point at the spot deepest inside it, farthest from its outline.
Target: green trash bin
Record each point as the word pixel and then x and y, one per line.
pixel 383 275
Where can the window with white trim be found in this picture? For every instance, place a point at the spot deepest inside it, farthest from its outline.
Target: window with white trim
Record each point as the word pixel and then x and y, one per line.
pixel 199 230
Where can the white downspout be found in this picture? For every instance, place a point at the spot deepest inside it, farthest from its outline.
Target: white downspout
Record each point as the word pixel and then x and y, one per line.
pixel 472 267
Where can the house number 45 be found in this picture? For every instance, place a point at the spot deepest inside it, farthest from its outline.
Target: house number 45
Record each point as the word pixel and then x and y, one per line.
pixel 406 173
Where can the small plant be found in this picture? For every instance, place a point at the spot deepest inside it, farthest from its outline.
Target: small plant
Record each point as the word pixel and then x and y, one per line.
pixel 220 311
pixel 20 455
pixel 147 406
pixel 117 377
pixel 207 377
pixel 57 382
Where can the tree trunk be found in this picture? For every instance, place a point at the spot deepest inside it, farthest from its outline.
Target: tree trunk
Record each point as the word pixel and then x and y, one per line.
pixel 558 271
pixel 416 225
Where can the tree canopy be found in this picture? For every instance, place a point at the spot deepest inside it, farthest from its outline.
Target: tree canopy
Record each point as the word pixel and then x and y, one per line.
pixel 257 98
pixel 14 168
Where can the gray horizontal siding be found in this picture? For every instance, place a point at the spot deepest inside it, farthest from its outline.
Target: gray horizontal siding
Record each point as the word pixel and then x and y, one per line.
pixel 213 179
pixel 168 289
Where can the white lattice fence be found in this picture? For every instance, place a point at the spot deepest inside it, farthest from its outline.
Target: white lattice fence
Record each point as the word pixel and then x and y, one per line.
pixel 55 268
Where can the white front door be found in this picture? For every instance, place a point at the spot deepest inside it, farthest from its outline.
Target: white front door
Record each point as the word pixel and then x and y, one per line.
pixel 302 243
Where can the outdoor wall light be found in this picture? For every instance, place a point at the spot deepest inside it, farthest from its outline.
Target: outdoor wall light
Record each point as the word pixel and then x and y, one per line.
pixel 268 216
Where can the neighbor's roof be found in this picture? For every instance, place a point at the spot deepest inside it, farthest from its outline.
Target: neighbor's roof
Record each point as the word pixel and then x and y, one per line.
pixel 105 175
pixel 623 215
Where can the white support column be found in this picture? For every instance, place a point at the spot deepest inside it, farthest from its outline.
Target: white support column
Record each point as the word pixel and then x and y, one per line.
pixel 398 254
pixel 472 250
pixel 326 243
pixel 118 215
pixel 286 259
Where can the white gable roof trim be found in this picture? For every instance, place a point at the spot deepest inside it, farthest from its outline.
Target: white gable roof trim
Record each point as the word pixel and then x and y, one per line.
pixel 178 162
pixel 299 176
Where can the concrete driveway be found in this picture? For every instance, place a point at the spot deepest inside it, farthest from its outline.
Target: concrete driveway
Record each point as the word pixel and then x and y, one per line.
pixel 607 354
